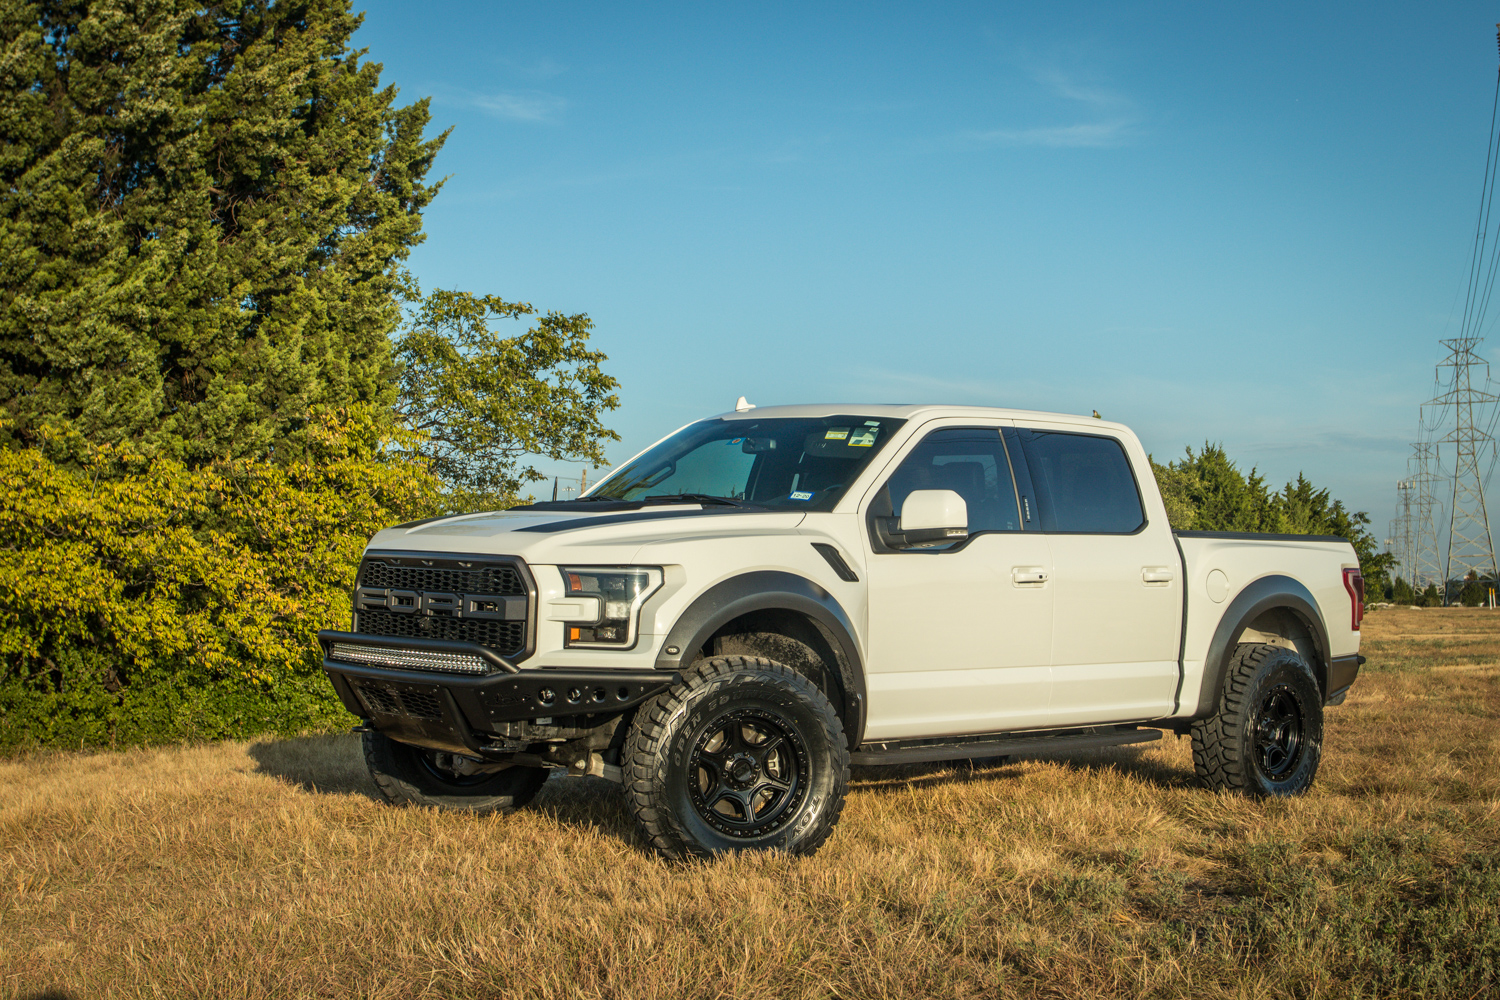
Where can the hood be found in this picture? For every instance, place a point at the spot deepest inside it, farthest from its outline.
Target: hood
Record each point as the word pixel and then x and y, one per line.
pixel 611 537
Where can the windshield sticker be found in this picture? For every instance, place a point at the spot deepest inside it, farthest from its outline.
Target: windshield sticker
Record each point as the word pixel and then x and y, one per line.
pixel 736 440
pixel 799 495
pixel 836 434
pixel 872 423
pixel 863 438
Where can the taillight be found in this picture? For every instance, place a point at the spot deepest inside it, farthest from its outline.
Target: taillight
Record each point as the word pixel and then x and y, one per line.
pixel 1354 582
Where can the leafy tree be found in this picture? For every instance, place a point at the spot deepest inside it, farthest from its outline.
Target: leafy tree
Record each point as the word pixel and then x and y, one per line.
pixel 481 401
pixel 1474 592
pixel 143 600
pixel 204 210
pixel 1401 592
pixel 1205 491
pixel 1432 597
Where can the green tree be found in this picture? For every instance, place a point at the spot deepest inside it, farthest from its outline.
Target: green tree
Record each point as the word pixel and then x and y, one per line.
pixel 1205 491
pixel 1474 592
pixel 480 401
pixel 204 210
pixel 1401 592
pixel 1432 597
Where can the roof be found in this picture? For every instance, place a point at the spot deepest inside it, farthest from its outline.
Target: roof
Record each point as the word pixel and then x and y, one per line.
pixel 909 411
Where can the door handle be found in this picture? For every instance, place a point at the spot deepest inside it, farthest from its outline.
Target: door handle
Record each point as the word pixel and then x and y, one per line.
pixel 1028 574
pixel 1157 574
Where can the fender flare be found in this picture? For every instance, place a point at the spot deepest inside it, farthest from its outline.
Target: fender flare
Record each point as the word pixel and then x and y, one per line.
pixel 1266 594
pixel 773 590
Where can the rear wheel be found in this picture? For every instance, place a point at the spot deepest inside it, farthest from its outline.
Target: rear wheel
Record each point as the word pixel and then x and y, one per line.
pixel 1267 737
pixel 408 775
pixel 744 754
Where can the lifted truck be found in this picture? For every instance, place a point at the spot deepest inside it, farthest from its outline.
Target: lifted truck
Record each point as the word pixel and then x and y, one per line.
pixel 732 618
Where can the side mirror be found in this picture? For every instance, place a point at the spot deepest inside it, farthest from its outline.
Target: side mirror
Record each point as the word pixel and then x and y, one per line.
pixel 934 517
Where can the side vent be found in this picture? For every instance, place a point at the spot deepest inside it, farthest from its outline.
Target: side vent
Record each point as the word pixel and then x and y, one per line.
pixel 836 560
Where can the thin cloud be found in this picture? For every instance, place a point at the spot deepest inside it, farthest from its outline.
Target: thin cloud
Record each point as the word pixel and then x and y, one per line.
pixel 1065 86
pixel 520 105
pixel 1098 135
pixel 1118 129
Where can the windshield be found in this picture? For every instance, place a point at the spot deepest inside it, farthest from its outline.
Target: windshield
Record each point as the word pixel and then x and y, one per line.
pixel 785 462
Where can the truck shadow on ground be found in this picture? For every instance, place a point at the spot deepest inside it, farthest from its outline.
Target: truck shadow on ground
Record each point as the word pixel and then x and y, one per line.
pixel 332 764
pixel 591 803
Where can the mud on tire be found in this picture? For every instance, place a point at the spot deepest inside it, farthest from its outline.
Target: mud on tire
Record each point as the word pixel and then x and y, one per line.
pixel 1267 737
pixel 408 775
pixel 744 754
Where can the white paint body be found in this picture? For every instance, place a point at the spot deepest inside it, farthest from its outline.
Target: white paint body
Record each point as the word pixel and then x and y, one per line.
pixel 1014 631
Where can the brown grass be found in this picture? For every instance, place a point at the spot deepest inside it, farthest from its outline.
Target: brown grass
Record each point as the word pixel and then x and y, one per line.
pixel 269 870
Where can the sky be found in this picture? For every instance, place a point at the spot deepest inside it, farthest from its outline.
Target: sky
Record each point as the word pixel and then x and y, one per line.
pixel 1244 224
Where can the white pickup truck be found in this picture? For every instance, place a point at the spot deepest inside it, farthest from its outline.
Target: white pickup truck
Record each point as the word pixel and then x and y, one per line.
pixel 732 618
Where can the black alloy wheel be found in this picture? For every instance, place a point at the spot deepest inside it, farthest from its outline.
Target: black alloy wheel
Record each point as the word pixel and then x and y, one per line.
pixel 1266 739
pixel 748 772
pixel 744 754
pixel 1278 732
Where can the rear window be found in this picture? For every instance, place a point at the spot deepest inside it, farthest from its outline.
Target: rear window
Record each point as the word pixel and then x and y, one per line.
pixel 1083 483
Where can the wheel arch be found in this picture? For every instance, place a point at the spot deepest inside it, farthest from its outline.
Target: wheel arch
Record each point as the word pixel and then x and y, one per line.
pixel 772 601
pixel 1274 608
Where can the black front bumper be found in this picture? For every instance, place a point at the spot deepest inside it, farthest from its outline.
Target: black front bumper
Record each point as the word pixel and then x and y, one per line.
pixel 467 712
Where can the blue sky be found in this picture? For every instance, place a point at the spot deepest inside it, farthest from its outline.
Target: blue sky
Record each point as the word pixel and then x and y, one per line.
pixel 1245 224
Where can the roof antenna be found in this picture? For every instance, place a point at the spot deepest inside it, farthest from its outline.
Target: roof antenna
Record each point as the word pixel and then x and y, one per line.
pixel 743 404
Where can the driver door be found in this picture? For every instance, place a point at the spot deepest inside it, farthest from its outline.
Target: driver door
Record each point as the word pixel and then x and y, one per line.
pixel 960 636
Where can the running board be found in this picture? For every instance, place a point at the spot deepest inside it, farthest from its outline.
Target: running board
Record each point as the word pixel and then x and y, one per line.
pixel 1001 745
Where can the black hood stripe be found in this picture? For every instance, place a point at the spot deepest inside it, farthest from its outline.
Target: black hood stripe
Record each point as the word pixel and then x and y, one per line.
pixel 549 527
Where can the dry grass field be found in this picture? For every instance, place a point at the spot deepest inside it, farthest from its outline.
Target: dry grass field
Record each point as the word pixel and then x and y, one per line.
pixel 268 870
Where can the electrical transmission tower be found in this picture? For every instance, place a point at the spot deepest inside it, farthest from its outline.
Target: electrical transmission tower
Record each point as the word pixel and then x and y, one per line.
pixel 1426 564
pixel 1471 546
pixel 1400 542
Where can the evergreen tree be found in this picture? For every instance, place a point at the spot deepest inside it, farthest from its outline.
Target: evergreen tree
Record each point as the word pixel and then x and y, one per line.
pixel 1205 491
pixel 203 217
pixel 1401 592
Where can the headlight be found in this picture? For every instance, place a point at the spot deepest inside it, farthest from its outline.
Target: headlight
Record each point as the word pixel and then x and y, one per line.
pixel 618 593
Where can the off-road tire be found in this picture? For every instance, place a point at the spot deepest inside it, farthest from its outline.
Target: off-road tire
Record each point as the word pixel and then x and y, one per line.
pixel 669 757
pixel 1267 737
pixel 406 775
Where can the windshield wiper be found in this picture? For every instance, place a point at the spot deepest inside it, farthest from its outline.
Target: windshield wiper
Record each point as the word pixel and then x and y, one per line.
pixel 695 498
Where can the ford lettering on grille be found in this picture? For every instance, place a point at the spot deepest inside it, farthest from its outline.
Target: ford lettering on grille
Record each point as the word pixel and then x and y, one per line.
pixel 456 599
pixel 489 607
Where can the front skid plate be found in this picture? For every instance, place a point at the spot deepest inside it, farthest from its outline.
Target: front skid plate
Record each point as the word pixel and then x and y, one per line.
pixel 458 712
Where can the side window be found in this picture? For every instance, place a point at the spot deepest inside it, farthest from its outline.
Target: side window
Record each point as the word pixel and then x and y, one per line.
pixel 1083 483
pixel 969 461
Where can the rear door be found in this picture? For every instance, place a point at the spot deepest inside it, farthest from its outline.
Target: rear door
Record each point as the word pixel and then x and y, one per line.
pixel 1117 580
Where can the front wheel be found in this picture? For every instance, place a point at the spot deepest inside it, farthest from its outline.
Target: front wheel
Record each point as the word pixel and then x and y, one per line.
pixel 1267 737
pixel 744 754
pixel 408 775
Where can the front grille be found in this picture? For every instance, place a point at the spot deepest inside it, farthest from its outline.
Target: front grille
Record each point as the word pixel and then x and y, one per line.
pixel 410 659
pixel 504 638
pixel 450 579
pixel 409 701
pixel 502 580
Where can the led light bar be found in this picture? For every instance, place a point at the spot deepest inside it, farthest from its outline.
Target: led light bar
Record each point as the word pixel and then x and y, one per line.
pixel 410 659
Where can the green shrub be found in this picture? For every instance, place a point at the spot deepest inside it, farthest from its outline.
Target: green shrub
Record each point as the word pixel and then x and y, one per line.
pixel 143 601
